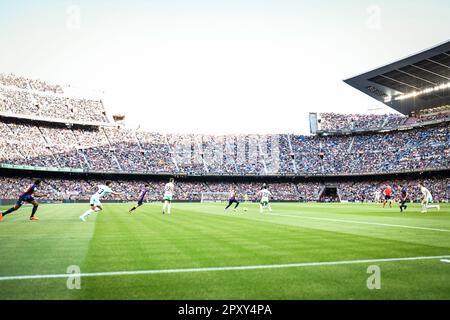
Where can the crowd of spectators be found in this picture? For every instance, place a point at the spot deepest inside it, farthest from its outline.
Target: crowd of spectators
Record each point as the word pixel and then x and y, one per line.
pixel 435 116
pixel 414 149
pixel 157 153
pixel 16 148
pixel 77 189
pixel 336 121
pixel 119 149
pixel 28 84
pixel 229 154
pixel 30 103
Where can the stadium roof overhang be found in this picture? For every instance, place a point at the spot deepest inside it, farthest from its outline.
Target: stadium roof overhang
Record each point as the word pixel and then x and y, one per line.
pixel 420 81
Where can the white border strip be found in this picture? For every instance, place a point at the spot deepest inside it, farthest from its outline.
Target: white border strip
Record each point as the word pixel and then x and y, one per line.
pixel 268 266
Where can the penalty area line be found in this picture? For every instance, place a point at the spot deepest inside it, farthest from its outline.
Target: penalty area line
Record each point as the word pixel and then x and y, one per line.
pixel 210 269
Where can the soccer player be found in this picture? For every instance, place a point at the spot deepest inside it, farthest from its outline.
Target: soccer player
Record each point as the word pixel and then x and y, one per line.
pixel 403 198
pixel 140 199
pixel 96 205
pixel 377 196
pixel 26 196
pixel 168 195
pixel 427 199
pixel 245 202
pixel 387 192
pixel 265 195
pixel 232 199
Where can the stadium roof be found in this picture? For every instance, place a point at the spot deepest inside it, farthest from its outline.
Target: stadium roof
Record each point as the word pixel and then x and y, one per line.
pixel 417 82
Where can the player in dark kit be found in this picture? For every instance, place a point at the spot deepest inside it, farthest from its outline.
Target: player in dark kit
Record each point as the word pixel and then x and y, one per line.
pixel 403 198
pixel 232 200
pixel 140 199
pixel 26 196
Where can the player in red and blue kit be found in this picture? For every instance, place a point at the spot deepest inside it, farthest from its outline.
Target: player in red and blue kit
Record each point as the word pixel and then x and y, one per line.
pixel 232 199
pixel 141 198
pixel 403 198
pixel 26 196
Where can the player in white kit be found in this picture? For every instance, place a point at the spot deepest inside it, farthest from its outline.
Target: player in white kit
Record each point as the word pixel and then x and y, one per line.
pixel 168 196
pixel 377 196
pixel 96 205
pixel 427 199
pixel 265 195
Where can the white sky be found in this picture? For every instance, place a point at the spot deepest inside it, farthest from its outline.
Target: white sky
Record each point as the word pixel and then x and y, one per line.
pixel 217 66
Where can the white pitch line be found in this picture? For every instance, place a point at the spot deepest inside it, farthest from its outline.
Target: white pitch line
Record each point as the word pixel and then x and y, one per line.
pixel 268 266
pixel 362 222
pixel 445 260
pixel 346 221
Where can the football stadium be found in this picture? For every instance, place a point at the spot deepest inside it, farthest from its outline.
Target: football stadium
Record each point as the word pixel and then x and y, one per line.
pixel 357 208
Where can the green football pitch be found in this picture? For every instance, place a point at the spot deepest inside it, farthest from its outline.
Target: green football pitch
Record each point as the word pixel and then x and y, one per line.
pixel 298 251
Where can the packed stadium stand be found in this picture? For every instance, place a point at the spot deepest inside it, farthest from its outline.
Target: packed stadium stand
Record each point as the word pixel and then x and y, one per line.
pixel 124 150
pixel 37 99
pixel 26 83
pixel 332 122
pixel 82 189
pixel 38 137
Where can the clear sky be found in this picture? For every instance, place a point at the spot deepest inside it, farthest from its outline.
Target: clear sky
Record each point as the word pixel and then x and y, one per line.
pixel 231 66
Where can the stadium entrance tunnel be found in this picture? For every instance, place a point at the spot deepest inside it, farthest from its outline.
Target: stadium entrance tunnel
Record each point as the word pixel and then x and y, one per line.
pixel 329 193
